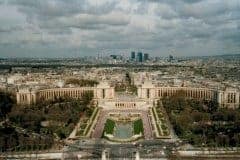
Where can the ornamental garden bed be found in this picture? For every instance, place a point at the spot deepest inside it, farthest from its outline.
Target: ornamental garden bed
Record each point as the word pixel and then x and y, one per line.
pixel 86 123
pixel 138 126
pixel 161 123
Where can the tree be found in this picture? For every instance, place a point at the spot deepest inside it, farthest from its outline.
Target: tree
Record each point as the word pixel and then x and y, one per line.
pixel 128 78
pixel 81 82
pixel 6 103
pixel 87 97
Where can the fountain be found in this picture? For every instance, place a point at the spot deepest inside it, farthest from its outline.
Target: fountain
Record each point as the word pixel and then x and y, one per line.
pixel 123 130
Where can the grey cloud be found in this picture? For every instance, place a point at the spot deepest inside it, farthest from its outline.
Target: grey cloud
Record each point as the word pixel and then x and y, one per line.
pixel 191 1
pixel 86 21
pixel 209 8
pixel 46 8
pixel 9 29
pixel 157 26
pixel 57 8
pixel 62 14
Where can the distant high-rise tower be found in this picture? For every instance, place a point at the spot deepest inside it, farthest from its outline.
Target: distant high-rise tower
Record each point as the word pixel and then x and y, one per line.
pixel 113 56
pixel 140 57
pixel 146 56
pixel 133 56
pixel 170 59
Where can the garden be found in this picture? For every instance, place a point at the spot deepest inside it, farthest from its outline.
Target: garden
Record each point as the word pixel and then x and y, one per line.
pixel 161 123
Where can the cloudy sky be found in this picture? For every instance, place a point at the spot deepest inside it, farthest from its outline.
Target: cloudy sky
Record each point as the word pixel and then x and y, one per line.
pixel 68 28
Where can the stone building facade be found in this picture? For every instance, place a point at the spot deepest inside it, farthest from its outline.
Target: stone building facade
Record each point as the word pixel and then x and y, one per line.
pixel 28 96
pixel 225 98
pixel 146 92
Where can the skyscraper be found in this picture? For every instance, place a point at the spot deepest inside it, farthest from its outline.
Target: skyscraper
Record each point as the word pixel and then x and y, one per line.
pixel 113 56
pixel 139 57
pixel 133 56
pixel 170 59
pixel 145 57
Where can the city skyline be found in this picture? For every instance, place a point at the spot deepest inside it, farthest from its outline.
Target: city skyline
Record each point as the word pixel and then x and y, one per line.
pixel 61 28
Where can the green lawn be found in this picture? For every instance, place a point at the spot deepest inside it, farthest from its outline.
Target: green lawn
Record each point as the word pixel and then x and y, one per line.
pixel 138 126
pixel 109 126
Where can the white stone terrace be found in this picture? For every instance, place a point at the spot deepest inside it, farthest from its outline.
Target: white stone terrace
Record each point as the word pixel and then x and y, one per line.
pixel 124 101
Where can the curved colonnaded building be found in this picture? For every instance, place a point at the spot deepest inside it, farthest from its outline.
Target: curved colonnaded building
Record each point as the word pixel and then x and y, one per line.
pixel 225 98
pixel 28 96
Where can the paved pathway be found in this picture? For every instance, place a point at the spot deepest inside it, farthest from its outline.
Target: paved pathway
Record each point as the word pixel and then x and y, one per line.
pixel 146 125
pixel 98 130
